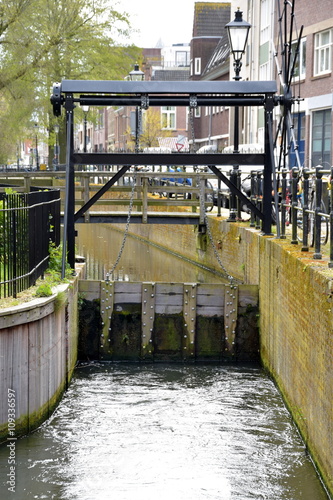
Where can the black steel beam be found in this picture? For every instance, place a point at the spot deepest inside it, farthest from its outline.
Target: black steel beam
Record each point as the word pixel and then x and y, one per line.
pixel 170 87
pixel 136 218
pixel 236 191
pixel 174 100
pixel 252 160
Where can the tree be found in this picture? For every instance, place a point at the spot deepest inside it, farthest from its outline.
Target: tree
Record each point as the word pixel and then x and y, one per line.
pixel 45 41
pixel 151 129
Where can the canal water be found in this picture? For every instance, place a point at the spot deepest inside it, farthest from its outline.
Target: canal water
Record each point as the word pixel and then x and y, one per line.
pixel 165 432
pixel 186 432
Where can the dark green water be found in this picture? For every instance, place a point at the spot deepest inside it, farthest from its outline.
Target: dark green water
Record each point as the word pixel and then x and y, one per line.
pixel 166 432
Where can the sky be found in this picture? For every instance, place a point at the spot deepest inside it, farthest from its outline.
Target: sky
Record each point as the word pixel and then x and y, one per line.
pixel 172 21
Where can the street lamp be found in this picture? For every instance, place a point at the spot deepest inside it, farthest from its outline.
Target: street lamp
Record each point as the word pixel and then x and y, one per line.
pixel 56 146
pixel 136 75
pixel 37 159
pixel 238 32
pixel 85 110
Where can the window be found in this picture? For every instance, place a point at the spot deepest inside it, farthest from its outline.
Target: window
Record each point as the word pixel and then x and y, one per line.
pixel 264 71
pixel 197 66
pixel 321 137
pixel 182 58
pixel 168 117
pixel 265 24
pixel 299 68
pixel 323 52
pixel 197 112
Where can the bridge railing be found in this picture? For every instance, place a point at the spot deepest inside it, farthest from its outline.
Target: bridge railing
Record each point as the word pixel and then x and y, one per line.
pixel 304 207
pixel 171 189
pixel 28 223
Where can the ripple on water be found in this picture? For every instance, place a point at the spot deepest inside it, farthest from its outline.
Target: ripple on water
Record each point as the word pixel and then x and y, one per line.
pixel 187 432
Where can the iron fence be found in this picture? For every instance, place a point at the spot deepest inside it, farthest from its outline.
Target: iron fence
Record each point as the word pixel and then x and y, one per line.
pixel 28 223
pixel 302 210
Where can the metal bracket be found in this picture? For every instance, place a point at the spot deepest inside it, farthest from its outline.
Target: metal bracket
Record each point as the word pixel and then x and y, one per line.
pixel 230 317
pixel 144 101
pixel 189 312
pixel 193 101
pixel 148 316
pixel 107 303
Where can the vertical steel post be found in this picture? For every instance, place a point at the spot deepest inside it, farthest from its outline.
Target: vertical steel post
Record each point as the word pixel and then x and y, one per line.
pixel 294 182
pixel 283 203
pixel 253 196
pixel 330 264
pixel 317 218
pixel 267 187
pixel 232 197
pixel 68 249
pixel 305 215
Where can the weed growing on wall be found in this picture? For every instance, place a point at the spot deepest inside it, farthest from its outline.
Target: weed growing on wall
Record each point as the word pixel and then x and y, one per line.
pixel 52 275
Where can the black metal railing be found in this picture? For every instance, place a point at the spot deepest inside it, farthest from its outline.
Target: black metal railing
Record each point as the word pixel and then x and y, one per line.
pixel 303 210
pixel 28 223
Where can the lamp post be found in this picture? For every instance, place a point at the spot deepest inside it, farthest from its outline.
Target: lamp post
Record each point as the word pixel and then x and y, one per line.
pixel 238 32
pixel 56 147
pixel 37 159
pixel 85 110
pixel 136 75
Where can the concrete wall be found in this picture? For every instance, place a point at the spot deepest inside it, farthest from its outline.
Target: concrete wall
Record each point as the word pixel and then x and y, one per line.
pixel 296 317
pixel 38 352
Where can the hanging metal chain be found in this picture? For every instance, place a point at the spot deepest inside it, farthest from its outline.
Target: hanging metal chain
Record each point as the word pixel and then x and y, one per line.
pixel 193 106
pixel 211 239
pixel 110 273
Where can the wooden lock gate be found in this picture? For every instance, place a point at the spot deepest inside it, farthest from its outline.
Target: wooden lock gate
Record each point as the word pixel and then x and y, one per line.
pixel 132 321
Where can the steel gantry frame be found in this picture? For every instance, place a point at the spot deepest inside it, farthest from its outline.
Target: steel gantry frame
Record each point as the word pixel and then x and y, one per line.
pixel 69 93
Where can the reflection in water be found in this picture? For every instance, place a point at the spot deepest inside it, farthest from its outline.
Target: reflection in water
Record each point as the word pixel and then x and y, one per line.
pixel 100 244
pixel 181 432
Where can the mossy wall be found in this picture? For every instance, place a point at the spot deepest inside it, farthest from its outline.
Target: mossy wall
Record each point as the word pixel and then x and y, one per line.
pixel 296 317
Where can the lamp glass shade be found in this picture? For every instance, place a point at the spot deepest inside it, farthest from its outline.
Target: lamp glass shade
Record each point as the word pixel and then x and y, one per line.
pixel 238 32
pixel 136 75
pixel 85 108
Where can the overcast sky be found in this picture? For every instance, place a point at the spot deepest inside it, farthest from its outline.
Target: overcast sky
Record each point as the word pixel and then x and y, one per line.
pixel 172 21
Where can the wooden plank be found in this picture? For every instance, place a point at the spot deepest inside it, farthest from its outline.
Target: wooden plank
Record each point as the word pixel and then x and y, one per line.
pixel 19 315
pixel 126 292
pixel 210 311
pixel 189 314
pixel 6 380
pixel 46 333
pixel 210 299
pixel 34 368
pixel 248 295
pixel 169 298
pixel 148 317
pixel 20 369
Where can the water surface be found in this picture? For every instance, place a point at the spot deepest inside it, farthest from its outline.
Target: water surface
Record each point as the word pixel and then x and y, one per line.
pixel 166 432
